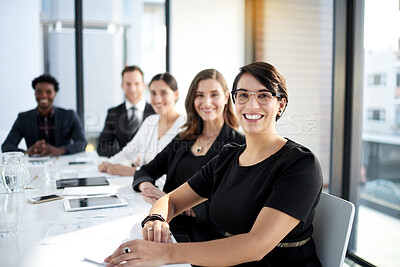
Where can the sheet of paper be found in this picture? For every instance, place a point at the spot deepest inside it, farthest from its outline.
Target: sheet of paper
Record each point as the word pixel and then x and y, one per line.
pixel 87 190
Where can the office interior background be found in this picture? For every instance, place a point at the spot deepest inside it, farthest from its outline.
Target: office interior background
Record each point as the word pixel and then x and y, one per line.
pixel 341 59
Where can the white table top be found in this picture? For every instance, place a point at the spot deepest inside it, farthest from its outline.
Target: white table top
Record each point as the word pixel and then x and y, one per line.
pixel 50 236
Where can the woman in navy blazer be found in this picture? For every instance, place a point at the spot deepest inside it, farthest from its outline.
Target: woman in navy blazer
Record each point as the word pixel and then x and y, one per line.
pixel 47 130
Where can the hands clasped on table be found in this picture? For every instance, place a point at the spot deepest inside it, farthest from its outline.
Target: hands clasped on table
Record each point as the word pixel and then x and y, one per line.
pixel 41 148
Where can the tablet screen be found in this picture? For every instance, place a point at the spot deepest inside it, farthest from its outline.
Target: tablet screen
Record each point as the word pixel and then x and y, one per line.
pixel 74 182
pixel 93 202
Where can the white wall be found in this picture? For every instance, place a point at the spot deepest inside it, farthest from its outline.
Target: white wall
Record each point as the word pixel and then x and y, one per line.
pixel 205 34
pixel 20 58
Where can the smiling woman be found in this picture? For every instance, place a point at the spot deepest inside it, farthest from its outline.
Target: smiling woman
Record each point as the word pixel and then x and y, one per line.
pixel 279 183
pixel 154 134
pixel 210 125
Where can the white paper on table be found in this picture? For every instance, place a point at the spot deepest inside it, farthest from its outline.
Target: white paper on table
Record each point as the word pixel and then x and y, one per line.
pixel 65 174
pixel 87 190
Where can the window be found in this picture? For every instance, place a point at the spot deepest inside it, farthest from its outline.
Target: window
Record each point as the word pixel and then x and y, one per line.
pixel 397 117
pixel 377 79
pixel 376 176
pixel 376 114
pixel 397 92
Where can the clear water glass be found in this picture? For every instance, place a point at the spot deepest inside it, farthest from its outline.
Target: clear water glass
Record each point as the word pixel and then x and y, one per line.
pixel 8 215
pixel 52 170
pixel 14 174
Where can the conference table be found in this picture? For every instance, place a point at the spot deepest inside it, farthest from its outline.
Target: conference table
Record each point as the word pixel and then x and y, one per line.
pixel 50 236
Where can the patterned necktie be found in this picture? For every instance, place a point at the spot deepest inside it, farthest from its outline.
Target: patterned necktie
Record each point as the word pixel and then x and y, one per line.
pixel 133 122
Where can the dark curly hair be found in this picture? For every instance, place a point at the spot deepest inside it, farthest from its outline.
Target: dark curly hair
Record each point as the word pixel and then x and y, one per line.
pixel 45 78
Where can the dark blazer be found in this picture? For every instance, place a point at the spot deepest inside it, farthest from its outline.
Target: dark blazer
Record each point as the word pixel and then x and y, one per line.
pixel 68 131
pixel 167 160
pixel 114 135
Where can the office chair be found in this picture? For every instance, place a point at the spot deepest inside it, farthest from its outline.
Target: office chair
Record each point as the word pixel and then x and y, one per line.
pixel 332 228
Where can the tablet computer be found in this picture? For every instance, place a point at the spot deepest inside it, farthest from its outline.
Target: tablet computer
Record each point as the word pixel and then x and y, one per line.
pixel 74 182
pixel 93 202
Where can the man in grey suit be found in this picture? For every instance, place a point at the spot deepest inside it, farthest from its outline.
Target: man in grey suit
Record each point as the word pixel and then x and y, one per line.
pixel 123 121
pixel 47 130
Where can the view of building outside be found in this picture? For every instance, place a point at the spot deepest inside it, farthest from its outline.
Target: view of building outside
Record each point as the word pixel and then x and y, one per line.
pixel 377 235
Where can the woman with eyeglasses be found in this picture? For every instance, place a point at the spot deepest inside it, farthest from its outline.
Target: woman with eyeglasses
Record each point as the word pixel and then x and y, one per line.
pixel 211 124
pixel 263 194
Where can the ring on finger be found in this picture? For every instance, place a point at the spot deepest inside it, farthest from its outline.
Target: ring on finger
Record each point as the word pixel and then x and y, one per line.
pixel 150 229
pixel 127 250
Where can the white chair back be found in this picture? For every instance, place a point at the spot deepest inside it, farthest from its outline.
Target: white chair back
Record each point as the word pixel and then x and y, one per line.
pixel 332 228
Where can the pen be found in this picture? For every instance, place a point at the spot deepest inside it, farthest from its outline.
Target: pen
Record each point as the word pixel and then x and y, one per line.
pixel 94 262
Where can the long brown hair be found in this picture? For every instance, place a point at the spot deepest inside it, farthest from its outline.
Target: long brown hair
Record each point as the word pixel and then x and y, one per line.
pixel 194 123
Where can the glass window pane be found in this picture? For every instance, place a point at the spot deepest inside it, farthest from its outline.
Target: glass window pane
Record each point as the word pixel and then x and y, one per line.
pixel 116 34
pixel 59 48
pixel 376 239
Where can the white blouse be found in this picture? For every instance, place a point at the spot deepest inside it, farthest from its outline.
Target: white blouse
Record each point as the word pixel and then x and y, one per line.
pixel 145 145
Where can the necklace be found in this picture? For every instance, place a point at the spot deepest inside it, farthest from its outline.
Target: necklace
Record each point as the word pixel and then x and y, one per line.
pixel 200 147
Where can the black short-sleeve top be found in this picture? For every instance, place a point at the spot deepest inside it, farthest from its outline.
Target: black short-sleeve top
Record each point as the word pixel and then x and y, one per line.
pixel 289 180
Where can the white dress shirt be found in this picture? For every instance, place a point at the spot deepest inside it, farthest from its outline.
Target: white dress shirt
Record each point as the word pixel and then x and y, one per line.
pixel 146 144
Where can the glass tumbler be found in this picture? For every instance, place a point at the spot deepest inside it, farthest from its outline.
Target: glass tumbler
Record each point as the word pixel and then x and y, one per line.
pixel 14 174
pixel 8 214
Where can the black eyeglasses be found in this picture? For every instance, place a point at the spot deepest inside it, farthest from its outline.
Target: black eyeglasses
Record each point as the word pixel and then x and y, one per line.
pixel 263 97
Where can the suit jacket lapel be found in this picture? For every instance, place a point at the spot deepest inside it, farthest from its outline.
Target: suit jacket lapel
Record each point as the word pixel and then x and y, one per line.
pixel 34 125
pixel 122 120
pixel 148 110
pixel 57 126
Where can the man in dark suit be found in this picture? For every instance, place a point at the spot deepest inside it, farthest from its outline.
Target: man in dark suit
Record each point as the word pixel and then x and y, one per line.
pixel 123 121
pixel 47 130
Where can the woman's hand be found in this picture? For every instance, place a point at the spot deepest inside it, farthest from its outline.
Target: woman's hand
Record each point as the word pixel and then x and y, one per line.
pixel 141 253
pixel 156 231
pixel 121 170
pixel 151 193
pixel 136 163
pixel 103 166
pixel 116 169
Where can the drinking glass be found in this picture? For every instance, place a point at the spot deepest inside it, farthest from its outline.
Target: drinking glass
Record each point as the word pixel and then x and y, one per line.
pixel 52 170
pixel 14 174
pixel 8 214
